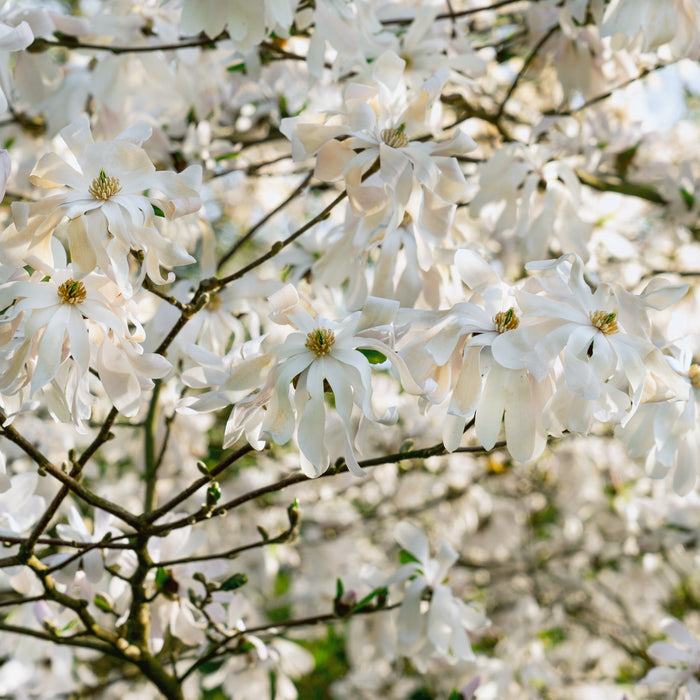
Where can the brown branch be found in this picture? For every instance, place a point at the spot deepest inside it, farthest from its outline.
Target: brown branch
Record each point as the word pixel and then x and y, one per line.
pixel 298 478
pixel 217 284
pixel 71 42
pixel 57 542
pixel 69 482
pixel 609 93
pixel 456 15
pixel 616 184
pixel 530 58
pixel 195 486
pixel 218 648
pixel 56 639
pixel 153 289
pixel 251 232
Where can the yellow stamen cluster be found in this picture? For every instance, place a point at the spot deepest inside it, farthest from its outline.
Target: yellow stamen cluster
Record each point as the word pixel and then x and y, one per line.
pixel 396 138
pixel 604 321
pixel 506 320
pixel 694 375
pixel 103 186
pixel 72 292
pixel 320 341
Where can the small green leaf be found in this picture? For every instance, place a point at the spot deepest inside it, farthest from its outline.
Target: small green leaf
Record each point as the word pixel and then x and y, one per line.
pixel 406 557
pixel 212 666
pixel 158 211
pixel 213 494
pixel 380 594
pixel 688 198
pixel 65 628
pixel 103 602
pixel 234 582
pixel 227 156
pixel 161 577
pixel 293 513
pixel 552 636
pixel 374 356
pixel 236 68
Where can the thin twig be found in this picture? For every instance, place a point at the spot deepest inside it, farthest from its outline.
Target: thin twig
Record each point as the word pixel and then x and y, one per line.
pixel 604 96
pixel 251 232
pixel 279 245
pixel 71 42
pixel 457 15
pixel 530 58
pixel 218 648
pixel 195 486
pixel 299 477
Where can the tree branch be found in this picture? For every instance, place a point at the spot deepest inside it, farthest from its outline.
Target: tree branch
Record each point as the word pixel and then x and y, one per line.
pixel 298 478
pixel 249 234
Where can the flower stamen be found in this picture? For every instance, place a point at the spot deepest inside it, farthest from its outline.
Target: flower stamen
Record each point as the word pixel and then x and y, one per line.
pixel 694 375
pixel 604 321
pixel 72 292
pixel 396 138
pixel 320 341
pixel 506 320
pixel 103 186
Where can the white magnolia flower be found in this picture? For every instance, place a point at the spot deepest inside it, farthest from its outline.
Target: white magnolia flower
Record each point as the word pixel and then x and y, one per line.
pixel 172 608
pixel 57 325
pixel 666 433
pixel 247 23
pixel 20 507
pixel 454 358
pixel 11 39
pixel 248 676
pixel 430 615
pixel 603 344
pixel 382 124
pixel 322 356
pixel 110 193
pixel 231 379
pixel 525 190
pixel 47 314
pixel 681 661
pixel 644 23
pixel 126 371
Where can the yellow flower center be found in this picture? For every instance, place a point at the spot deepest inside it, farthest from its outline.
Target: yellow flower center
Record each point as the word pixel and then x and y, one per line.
pixel 103 186
pixel 396 138
pixel 694 375
pixel 506 320
pixel 72 292
pixel 604 321
pixel 320 341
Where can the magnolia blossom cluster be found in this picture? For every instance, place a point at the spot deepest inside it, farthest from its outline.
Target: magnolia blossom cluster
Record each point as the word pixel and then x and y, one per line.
pixel 62 319
pixel 443 254
pixel 319 356
pixel 545 356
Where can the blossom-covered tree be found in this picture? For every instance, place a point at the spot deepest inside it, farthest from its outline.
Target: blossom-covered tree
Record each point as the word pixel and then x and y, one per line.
pixel 345 349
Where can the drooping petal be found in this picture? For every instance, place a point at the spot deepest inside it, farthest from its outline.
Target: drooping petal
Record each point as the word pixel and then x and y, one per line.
pixel 312 421
pixel 489 414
